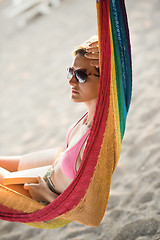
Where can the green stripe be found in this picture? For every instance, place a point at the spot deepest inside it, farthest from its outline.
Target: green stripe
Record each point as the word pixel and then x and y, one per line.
pixel 118 79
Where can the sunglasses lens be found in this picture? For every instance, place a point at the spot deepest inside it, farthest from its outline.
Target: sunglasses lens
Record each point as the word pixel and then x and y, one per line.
pixel 81 76
pixel 70 73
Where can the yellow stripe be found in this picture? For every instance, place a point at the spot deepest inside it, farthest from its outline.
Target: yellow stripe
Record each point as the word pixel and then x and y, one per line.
pixel 115 100
pixel 17 201
pixel 51 224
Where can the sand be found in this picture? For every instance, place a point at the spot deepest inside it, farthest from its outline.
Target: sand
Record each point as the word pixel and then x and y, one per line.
pixel 36 112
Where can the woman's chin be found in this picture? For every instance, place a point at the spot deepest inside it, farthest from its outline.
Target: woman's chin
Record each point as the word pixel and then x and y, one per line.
pixel 74 99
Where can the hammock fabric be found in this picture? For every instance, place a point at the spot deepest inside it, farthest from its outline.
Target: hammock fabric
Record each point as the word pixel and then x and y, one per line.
pixel 85 200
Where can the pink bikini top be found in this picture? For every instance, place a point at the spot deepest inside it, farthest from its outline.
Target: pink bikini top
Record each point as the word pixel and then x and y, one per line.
pixel 70 156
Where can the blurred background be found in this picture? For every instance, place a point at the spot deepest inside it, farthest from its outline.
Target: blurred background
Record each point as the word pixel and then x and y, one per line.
pixel 37 38
pixel 35 95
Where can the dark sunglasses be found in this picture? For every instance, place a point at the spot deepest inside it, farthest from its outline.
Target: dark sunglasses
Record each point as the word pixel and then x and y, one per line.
pixel 80 74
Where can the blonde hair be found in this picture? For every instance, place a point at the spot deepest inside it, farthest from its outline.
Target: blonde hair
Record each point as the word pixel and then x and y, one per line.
pixel 81 49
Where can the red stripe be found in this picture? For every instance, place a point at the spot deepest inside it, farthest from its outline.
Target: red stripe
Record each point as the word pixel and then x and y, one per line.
pixel 5 210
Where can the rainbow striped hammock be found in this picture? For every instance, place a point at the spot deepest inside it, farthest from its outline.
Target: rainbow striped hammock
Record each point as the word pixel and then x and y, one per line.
pixel 85 200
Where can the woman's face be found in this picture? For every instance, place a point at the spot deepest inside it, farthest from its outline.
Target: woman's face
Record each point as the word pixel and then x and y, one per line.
pixel 84 92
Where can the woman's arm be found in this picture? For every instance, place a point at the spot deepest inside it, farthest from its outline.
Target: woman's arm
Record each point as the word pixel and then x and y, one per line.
pixel 93 53
pixel 41 192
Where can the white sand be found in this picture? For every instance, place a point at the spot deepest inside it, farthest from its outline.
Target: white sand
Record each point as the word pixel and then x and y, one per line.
pixel 36 113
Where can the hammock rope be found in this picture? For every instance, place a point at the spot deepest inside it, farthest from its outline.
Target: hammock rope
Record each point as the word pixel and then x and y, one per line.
pixel 86 198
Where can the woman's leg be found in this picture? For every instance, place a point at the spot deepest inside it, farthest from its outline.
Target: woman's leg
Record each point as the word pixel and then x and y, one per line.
pixel 32 160
pixel 39 159
pixel 10 163
pixel 3 172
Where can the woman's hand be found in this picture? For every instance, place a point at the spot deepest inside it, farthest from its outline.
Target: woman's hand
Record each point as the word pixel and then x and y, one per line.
pixel 93 54
pixel 40 191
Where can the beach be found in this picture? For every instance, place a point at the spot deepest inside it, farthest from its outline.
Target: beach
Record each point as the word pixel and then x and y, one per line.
pixel 36 112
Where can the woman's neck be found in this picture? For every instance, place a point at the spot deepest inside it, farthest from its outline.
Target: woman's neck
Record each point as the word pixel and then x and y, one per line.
pixel 91 106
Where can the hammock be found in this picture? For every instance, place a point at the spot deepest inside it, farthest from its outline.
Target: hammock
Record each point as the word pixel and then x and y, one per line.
pixel 85 200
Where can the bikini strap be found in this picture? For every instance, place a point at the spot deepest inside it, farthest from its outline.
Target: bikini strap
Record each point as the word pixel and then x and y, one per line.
pixel 72 127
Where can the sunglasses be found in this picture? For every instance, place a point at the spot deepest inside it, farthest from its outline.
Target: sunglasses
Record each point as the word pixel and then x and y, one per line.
pixel 80 74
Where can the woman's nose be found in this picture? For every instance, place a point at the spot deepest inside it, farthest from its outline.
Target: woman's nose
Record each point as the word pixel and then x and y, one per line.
pixel 73 81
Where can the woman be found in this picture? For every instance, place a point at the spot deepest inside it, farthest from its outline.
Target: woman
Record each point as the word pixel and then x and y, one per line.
pixel 83 78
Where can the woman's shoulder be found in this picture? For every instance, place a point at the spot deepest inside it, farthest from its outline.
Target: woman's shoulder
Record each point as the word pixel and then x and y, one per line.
pixel 76 133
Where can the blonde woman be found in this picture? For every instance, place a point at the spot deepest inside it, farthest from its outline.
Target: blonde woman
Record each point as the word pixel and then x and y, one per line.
pixel 83 77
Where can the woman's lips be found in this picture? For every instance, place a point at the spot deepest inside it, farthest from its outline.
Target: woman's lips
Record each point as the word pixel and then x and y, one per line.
pixel 74 91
